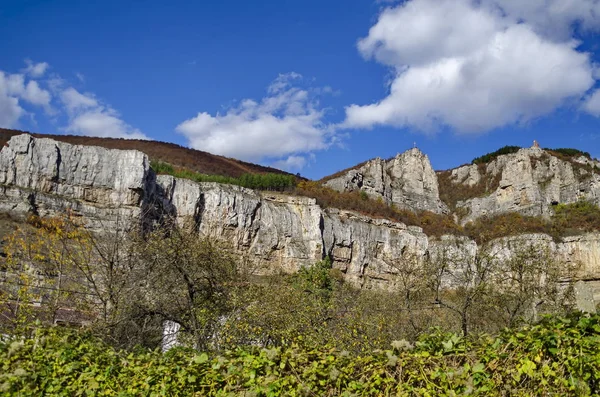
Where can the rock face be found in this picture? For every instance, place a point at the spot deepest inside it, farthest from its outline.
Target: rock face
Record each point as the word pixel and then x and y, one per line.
pixel 44 176
pixel 408 181
pixel 531 181
pixel 273 232
pixel 282 233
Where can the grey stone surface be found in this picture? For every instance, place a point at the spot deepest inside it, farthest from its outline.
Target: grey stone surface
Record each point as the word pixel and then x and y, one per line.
pixel 531 182
pixel 584 297
pixel 408 181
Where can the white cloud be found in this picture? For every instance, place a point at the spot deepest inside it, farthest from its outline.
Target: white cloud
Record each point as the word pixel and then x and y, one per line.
pixel 476 65
pixel 592 104
pixel 292 163
pixel 13 89
pixel 35 70
pixel 103 123
pixel 74 100
pixel 423 31
pixel 556 19
pixel 35 95
pixel 87 116
pixel 288 121
pixel 10 110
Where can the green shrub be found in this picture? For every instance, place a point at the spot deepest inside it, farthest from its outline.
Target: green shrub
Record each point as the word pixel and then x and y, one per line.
pixel 576 217
pixel 486 158
pixel 267 181
pixel 569 152
pixel 487 228
pixel 559 356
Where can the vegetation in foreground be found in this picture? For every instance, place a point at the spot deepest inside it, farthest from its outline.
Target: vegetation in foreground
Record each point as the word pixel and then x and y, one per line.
pixel 307 333
pixel 558 356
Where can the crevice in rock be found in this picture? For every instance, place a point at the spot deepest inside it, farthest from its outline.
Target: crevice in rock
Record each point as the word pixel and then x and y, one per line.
pixel 199 211
pixel 56 176
pixel 322 237
pixel 33 208
pixel 255 212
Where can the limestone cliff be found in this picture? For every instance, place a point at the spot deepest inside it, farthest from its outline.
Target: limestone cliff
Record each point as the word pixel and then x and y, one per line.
pixel 273 232
pixel 408 181
pixel 530 182
pixel 44 176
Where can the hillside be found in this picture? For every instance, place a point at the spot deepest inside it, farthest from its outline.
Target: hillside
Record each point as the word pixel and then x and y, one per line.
pixel 178 156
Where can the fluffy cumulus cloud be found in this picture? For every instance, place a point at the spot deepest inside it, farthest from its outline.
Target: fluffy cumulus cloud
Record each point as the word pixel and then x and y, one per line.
pixel 87 116
pixel 477 65
pixel 35 70
pixel 84 113
pixel 15 90
pixel 285 125
pixel 592 104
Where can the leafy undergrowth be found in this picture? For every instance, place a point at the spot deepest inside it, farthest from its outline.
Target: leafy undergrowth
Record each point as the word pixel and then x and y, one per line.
pixel 559 356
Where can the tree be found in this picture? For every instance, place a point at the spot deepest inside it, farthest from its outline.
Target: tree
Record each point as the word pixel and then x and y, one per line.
pixel 503 284
pixel 529 280
pixel 186 279
pixel 69 273
pixel 411 281
pixel 123 281
pixel 460 279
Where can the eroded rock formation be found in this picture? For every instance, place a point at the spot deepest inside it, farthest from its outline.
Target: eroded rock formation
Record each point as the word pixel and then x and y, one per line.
pixel 43 176
pixel 274 232
pixel 408 181
pixel 530 182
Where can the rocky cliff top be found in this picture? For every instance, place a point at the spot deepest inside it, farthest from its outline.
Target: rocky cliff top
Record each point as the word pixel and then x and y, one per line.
pixel 176 155
pixel 88 173
pixel 530 181
pixel 408 181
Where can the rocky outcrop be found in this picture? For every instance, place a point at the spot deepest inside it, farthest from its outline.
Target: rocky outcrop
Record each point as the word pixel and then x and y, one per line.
pixel 272 232
pixel 530 182
pixel 408 181
pixel 43 176
pixel 282 233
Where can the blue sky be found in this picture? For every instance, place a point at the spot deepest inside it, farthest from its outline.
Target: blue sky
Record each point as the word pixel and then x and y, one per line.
pixel 310 86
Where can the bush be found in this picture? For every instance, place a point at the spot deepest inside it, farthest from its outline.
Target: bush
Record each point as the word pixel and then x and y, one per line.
pixel 268 181
pixel 569 152
pixel 576 217
pixel 487 228
pixel 486 158
pixel 559 356
pixel 432 224
pixel 569 219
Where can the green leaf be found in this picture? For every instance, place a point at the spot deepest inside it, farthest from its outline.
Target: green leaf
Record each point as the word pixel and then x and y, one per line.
pixel 201 359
